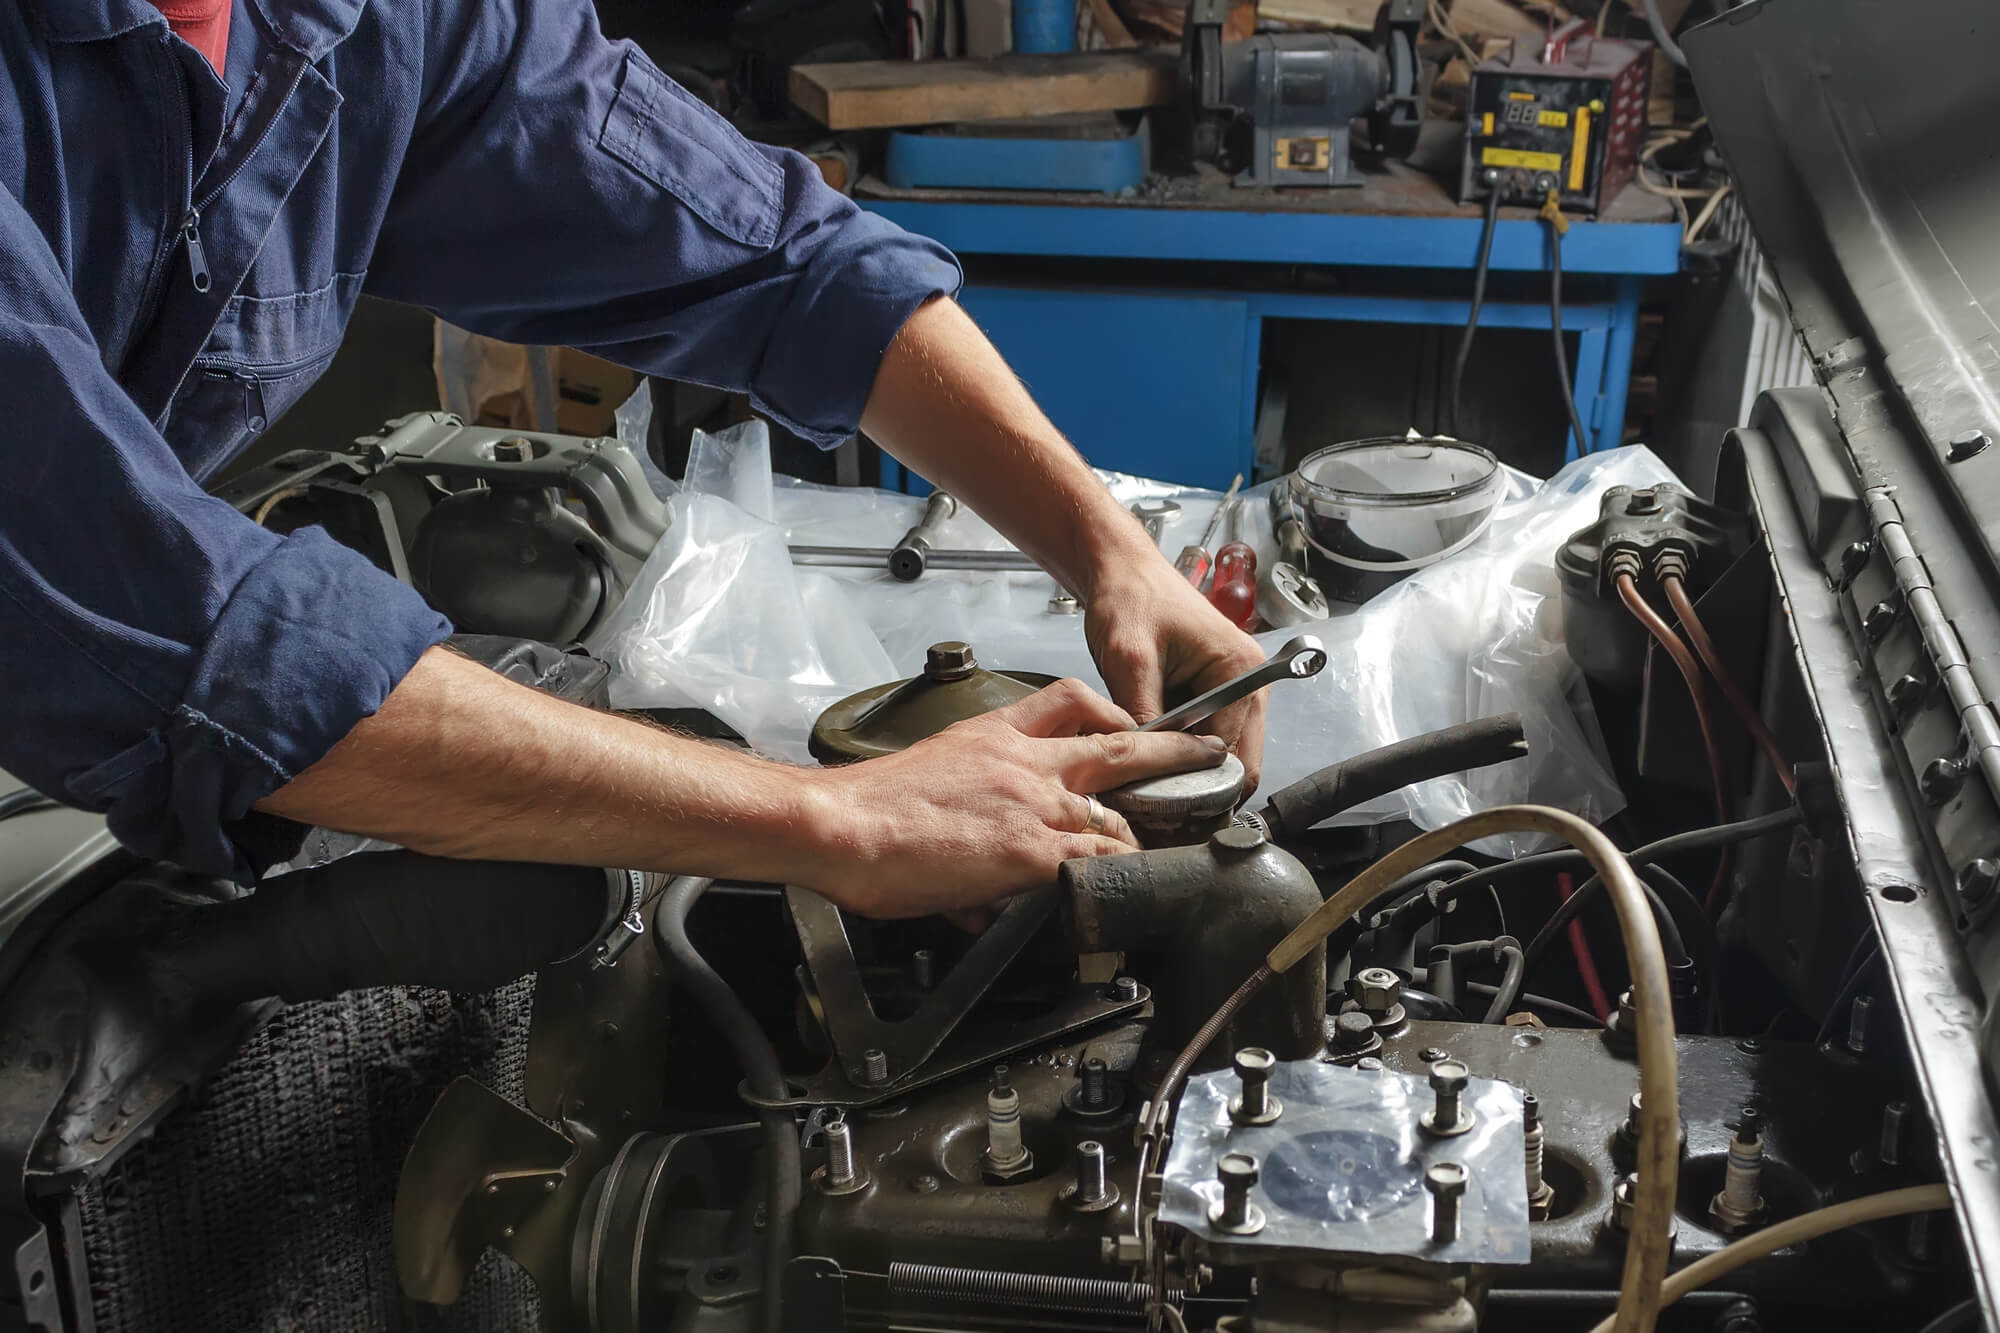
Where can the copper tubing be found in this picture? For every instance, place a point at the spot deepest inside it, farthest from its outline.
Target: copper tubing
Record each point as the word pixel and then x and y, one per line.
pixel 1628 592
pixel 1658 1157
pixel 1746 712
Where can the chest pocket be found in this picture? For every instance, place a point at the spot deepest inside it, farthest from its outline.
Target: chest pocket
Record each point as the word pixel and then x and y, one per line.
pixel 264 353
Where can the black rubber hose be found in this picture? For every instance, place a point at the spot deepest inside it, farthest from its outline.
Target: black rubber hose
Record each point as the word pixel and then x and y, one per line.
pixel 1562 348
pixel 1338 787
pixel 1588 892
pixel 1513 974
pixel 383 919
pixel 24 800
pixel 1479 271
pixel 1961 1318
pixel 1532 1001
pixel 761 1072
pixel 1695 840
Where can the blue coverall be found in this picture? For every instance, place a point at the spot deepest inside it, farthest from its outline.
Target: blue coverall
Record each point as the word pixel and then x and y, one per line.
pixel 179 255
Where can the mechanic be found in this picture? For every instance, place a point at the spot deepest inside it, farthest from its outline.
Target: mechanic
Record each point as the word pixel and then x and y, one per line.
pixel 197 192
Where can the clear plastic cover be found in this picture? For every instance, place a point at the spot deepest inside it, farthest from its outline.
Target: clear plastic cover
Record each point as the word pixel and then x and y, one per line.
pixel 720 619
pixel 1341 1171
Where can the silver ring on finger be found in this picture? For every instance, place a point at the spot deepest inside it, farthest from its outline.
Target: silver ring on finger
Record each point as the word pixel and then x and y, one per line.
pixel 1098 818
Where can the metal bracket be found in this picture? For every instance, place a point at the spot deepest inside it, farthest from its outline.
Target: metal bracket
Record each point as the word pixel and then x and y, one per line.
pixel 899 1051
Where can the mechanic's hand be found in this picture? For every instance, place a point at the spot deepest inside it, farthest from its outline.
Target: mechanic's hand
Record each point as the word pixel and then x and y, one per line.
pixel 988 807
pixel 1152 632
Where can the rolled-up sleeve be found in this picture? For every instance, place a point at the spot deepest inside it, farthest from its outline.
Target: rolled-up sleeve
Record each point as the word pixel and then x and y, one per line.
pixel 560 189
pixel 163 659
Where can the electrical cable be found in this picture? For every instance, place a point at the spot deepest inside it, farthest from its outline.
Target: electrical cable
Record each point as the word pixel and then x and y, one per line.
pixel 1579 945
pixel 1718 774
pixel 1479 271
pixel 1661 37
pixel 1530 1000
pixel 1556 324
pixel 1796 1231
pixel 1843 998
pixel 761 1072
pixel 1657 1159
pixel 1739 699
pixel 1694 840
pixel 24 801
pixel 1961 1318
pixel 1513 974
pixel 1653 878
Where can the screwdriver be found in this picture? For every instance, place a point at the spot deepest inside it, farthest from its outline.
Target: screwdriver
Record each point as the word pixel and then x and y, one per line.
pixel 1235 590
pixel 1195 561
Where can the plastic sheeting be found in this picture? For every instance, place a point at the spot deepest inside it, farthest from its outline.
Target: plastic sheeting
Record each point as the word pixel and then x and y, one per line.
pixel 720 619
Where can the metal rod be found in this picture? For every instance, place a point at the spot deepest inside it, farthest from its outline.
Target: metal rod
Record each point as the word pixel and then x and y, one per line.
pixel 877 557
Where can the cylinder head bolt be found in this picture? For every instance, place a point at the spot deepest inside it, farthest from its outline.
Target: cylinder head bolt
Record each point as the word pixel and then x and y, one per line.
pixel 1449 1114
pixel 1092 1190
pixel 1255 1104
pixel 1739 1207
pixel 843 1172
pixel 1007 1156
pixel 1095 1095
pixel 1234 1213
pixel 1445 1182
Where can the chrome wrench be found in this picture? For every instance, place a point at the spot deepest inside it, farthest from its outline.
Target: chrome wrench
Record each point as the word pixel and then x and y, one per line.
pixel 1300 659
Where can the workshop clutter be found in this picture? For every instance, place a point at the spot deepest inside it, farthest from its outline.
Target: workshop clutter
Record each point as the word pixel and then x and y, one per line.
pixel 486 382
pixel 720 618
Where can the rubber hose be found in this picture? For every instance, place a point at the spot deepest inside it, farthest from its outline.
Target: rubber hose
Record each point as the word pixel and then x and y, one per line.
pixel 1662 37
pixel 1317 798
pixel 394 918
pixel 1509 989
pixel 761 1072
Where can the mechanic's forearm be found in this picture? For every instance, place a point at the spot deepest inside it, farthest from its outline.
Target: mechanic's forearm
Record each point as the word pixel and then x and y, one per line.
pixel 462 762
pixel 946 403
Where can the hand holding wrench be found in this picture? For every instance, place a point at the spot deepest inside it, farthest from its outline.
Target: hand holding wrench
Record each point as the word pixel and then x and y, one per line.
pixel 1299 659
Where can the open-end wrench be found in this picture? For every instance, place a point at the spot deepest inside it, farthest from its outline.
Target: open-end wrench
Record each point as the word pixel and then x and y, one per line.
pixel 1299 659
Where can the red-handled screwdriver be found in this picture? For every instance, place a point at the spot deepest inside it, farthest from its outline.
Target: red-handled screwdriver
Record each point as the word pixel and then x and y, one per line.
pixel 1195 562
pixel 1235 590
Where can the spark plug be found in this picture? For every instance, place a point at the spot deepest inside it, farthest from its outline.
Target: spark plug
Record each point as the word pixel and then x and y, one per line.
pixel 1541 1194
pixel 1006 1155
pixel 1740 1205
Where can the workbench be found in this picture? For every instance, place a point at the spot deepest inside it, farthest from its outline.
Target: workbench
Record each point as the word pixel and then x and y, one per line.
pixel 1186 409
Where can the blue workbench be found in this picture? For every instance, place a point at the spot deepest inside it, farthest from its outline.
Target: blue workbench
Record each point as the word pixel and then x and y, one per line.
pixel 1192 418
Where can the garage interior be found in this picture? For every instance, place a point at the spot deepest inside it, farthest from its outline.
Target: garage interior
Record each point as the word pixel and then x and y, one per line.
pixel 1585 406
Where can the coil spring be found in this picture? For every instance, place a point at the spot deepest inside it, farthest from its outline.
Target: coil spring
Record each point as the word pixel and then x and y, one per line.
pixel 1037 1291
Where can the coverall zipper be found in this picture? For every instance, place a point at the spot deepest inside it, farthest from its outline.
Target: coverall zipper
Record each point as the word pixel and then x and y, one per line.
pixel 191 224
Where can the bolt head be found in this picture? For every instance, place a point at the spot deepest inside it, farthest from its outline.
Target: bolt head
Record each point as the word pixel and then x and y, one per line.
pixel 1446 1180
pixel 1977 880
pixel 1374 989
pixel 1254 1064
pixel 1941 780
pixel 1880 619
pixel 1968 444
pixel 1449 1076
pixel 1353 1030
pixel 1855 557
pixel 1236 1170
pixel 950 660
pixel 1125 989
pixel 1430 1055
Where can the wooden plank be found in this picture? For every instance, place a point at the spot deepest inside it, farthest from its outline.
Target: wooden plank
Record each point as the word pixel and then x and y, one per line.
pixel 1345 15
pixel 876 94
pixel 1494 18
pixel 1109 26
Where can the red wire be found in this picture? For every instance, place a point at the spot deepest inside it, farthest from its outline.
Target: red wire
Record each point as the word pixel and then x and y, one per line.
pixel 1586 966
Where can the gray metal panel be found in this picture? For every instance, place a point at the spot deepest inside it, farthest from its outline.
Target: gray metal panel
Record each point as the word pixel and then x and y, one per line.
pixel 42 851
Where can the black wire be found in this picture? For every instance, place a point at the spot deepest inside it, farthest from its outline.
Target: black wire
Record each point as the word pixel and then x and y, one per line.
pixel 1478 300
pixel 1695 840
pixel 761 1071
pixel 1586 893
pixel 1562 348
pixel 1509 989
pixel 23 801
pixel 1569 1011
pixel 1961 1318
